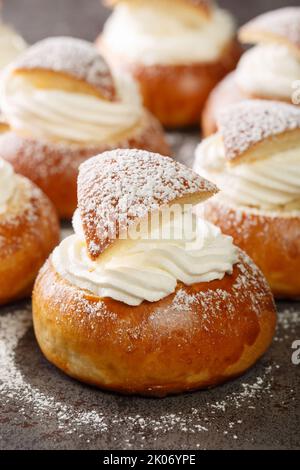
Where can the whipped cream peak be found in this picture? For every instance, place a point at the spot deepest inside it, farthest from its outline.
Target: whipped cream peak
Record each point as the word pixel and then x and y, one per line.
pixel 53 115
pixel 7 184
pixel 147 268
pixel 151 34
pixel 268 71
pixel 270 184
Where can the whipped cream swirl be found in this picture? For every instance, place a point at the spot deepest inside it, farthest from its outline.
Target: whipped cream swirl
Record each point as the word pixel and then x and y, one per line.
pixel 268 71
pixel 11 45
pixel 60 115
pixel 7 184
pixel 147 268
pixel 167 33
pixel 271 183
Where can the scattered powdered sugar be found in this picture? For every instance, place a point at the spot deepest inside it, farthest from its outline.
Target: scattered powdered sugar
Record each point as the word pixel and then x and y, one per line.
pixel 284 23
pixel 249 122
pixel 13 385
pixel 132 183
pixel 70 417
pixel 288 323
pixel 54 411
pixel 71 56
pixel 78 412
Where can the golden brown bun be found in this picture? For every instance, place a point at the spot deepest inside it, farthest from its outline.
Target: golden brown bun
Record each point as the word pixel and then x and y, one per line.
pixel 66 63
pixel 198 337
pixel 272 240
pixel 164 89
pixel 29 231
pixel 54 166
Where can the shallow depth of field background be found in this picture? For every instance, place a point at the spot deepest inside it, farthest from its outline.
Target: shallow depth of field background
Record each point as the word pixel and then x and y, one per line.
pixel 37 19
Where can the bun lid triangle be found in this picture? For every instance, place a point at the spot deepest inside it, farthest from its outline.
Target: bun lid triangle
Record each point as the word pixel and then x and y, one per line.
pixel 68 64
pixel 255 129
pixel 120 188
pixel 281 26
pixel 204 7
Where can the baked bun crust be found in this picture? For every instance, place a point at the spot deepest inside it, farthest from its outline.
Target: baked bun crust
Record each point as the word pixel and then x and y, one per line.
pixel 271 239
pixel 54 166
pixel 29 231
pixel 278 27
pixel 198 337
pixel 164 87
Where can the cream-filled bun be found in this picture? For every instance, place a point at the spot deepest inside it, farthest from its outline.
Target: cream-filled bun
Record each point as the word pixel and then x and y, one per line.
pixel 29 231
pixel 255 160
pixel 63 105
pixel 269 70
pixel 145 297
pixel 176 50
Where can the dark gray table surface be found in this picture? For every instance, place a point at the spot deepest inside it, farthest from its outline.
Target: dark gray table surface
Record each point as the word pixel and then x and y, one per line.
pixel 41 408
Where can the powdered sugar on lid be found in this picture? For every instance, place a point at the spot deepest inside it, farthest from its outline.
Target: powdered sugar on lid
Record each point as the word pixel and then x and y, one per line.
pixel 118 188
pixel 75 57
pixel 244 124
pixel 283 23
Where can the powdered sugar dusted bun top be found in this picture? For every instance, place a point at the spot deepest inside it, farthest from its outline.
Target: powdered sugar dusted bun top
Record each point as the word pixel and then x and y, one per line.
pixel 69 56
pixel 119 188
pixel 61 89
pixel 262 138
pixel 246 124
pixel 281 26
